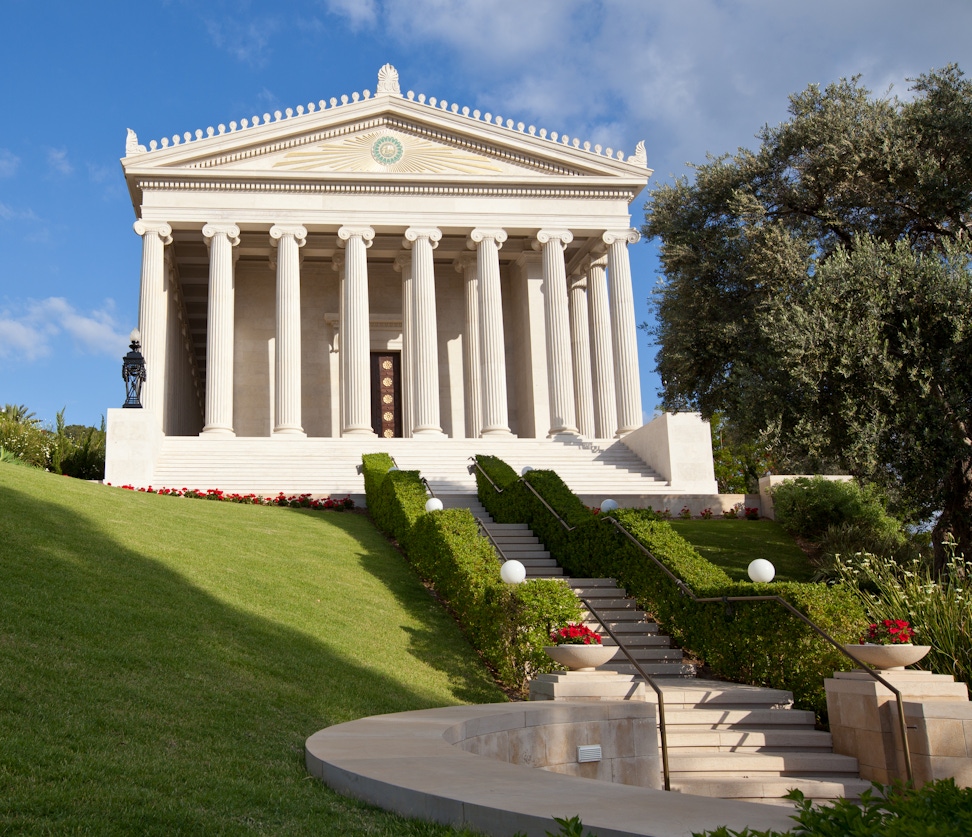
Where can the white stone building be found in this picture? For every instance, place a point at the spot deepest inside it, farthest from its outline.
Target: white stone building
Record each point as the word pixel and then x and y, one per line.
pixel 375 267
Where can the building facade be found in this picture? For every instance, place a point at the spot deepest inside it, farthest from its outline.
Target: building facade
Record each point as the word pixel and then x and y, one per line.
pixel 388 265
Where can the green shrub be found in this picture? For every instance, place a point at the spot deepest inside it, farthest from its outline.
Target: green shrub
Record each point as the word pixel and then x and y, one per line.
pixel 939 808
pixel 757 643
pixel 25 440
pixel 507 624
pixel 809 507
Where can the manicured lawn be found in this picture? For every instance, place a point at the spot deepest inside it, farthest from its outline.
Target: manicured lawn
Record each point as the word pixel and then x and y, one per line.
pixel 162 660
pixel 732 544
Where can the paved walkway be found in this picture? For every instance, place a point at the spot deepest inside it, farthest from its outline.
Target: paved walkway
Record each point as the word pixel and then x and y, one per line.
pixel 408 763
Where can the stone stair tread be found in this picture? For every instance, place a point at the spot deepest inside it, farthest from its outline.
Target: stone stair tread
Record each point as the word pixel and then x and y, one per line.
pixel 745 764
pixel 762 789
pixel 795 718
pixel 718 739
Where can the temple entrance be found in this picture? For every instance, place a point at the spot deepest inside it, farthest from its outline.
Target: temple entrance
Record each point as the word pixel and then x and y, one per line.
pixel 386 396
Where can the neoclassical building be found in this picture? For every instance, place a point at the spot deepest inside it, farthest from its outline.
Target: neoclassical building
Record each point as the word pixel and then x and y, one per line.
pixel 386 265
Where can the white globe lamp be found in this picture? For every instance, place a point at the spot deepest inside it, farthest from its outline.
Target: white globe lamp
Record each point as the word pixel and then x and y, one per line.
pixel 513 572
pixel 608 506
pixel 433 504
pixel 525 470
pixel 761 571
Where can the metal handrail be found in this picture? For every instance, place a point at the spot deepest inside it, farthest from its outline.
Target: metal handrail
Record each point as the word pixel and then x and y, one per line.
pixel 498 490
pixel 663 733
pixel 727 600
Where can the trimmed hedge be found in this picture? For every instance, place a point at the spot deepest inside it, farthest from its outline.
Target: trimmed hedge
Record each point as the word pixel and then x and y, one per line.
pixel 507 624
pixel 757 643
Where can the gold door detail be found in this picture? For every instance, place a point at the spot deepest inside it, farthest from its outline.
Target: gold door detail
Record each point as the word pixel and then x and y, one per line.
pixel 386 399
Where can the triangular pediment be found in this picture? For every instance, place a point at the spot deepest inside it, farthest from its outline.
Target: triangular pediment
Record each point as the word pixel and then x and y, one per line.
pixel 387 136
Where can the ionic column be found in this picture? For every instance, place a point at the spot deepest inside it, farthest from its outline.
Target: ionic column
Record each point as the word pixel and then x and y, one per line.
pixel 560 379
pixel 403 264
pixel 487 245
pixel 221 239
pixel 581 354
pixel 472 372
pixel 288 240
pixel 602 355
pixel 153 312
pixel 425 395
pixel 627 379
pixel 355 331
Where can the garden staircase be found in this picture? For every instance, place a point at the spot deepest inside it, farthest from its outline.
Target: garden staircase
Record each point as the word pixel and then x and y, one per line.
pixel 725 740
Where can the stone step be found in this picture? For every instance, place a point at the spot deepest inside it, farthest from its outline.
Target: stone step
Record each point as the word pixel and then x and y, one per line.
pixel 739 740
pixel 738 718
pixel 767 789
pixel 744 765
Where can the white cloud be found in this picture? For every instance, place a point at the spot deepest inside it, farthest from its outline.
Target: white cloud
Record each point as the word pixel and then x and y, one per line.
pixel 358 13
pixel 29 330
pixel 247 41
pixel 9 163
pixel 57 161
pixel 8 213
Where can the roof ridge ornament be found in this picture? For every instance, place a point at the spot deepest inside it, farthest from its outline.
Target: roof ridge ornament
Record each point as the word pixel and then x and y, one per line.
pixel 131 144
pixel 640 157
pixel 388 81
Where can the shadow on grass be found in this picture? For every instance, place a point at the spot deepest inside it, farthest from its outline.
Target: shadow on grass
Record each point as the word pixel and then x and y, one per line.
pixel 132 702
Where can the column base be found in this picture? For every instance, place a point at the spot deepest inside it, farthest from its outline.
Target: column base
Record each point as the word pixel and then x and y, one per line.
pixel 289 433
pixel 494 432
pixel 428 433
pixel 363 432
pixel 566 433
pixel 218 430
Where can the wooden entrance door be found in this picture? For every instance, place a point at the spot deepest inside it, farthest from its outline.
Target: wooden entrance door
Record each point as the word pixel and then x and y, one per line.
pixel 386 396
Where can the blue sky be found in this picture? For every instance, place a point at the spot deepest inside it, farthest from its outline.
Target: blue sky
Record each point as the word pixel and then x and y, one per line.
pixel 687 76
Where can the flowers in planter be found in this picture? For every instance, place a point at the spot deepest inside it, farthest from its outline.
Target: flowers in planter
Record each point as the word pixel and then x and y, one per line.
pixel 574 634
pixel 294 501
pixel 888 632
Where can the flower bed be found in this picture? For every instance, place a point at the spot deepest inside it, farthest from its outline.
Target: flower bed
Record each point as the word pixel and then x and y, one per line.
pixel 293 501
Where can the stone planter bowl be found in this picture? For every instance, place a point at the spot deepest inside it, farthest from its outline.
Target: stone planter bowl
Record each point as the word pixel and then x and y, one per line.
pixel 888 657
pixel 581 657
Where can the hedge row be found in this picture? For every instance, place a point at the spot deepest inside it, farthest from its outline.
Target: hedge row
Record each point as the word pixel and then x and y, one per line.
pixel 756 643
pixel 507 624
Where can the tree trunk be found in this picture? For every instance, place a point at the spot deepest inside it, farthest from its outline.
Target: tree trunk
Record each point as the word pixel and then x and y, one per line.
pixel 955 522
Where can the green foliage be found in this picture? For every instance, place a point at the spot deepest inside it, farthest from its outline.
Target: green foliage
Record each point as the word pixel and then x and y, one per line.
pixel 508 624
pixel 25 440
pixel 738 462
pixel 809 507
pixel 818 292
pixel 759 643
pixel 374 466
pixel 939 808
pixel 938 608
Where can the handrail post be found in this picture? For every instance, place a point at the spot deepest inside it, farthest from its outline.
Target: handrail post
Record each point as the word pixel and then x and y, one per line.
pixel 686 590
pixel 663 732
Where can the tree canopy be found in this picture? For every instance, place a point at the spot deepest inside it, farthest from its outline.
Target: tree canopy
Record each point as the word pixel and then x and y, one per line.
pixel 818 291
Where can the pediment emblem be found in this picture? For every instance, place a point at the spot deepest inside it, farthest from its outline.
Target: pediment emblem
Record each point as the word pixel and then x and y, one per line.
pixel 385 151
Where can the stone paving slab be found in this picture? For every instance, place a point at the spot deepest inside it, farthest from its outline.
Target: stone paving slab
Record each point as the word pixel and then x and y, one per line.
pixel 406 763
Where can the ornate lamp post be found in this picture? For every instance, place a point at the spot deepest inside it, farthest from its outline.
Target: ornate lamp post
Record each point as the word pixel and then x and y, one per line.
pixel 133 371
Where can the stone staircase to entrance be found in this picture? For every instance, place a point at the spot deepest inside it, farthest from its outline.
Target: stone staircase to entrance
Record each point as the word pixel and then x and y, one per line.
pixel 725 740
pixel 325 466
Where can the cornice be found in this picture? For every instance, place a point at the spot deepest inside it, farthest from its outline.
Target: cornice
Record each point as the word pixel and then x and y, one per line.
pixel 159 183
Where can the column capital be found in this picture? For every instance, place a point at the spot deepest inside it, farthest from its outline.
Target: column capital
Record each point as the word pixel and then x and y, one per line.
pixel 231 231
pixel 278 231
pixel 465 262
pixel 595 261
pixel 160 228
pixel 577 280
pixel 366 234
pixel 480 234
pixel 412 234
pixel 629 236
pixel 564 237
pixel 402 261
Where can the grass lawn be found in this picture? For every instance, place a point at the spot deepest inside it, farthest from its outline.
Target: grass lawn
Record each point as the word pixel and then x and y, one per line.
pixel 732 544
pixel 162 660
